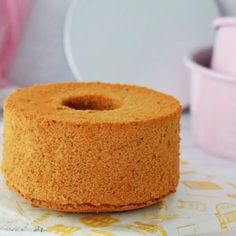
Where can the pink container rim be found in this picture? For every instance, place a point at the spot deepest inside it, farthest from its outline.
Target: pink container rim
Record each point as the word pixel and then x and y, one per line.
pixel 224 21
pixel 199 61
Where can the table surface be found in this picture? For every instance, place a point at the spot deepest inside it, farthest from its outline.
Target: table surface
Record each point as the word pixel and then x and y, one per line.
pixel 190 152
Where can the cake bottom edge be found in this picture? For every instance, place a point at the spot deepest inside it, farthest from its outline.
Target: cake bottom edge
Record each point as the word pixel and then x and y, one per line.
pixel 87 207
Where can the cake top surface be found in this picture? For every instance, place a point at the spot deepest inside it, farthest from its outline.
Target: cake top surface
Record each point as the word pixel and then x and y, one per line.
pixel 80 102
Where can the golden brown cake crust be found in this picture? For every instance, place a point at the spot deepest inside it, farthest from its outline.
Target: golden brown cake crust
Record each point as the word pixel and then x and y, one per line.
pixel 91 147
pixel 87 207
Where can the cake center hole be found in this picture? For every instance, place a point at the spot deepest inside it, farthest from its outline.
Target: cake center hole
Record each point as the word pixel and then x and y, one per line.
pixel 91 102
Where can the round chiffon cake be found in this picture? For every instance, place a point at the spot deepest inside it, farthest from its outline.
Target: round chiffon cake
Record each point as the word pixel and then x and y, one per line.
pixel 91 147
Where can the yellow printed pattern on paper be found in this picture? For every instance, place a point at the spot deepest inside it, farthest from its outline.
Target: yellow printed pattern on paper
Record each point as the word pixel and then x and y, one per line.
pixel 42 218
pixel 63 230
pixel 226 215
pixel 188 172
pixel 148 228
pixel 185 230
pixel 19 208
pixel 97 220
pixel 99 232
pixel 232 195
pixel 183 162
pixel 193 205
pixel 202 185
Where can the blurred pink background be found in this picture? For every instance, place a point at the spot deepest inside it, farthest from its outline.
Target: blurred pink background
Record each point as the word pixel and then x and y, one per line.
pixel 12 18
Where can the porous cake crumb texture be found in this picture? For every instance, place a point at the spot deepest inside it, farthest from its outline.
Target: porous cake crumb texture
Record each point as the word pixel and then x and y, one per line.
pixel 91 147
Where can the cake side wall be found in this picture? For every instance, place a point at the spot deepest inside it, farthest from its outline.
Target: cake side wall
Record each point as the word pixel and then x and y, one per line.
pixel 99 164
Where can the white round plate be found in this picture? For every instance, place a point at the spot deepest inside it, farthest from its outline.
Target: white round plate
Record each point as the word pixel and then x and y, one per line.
pixel 136 41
